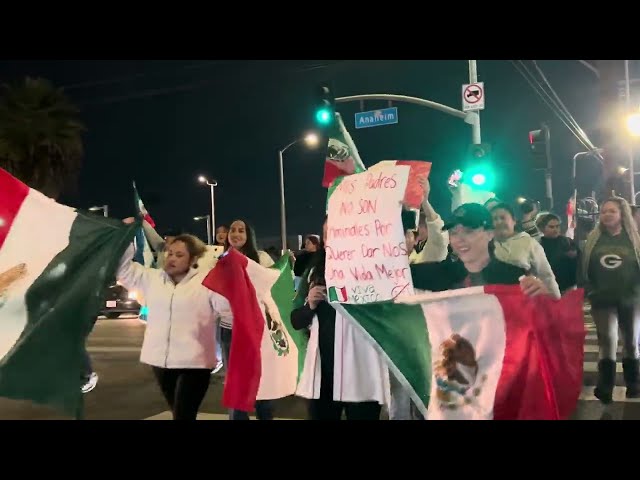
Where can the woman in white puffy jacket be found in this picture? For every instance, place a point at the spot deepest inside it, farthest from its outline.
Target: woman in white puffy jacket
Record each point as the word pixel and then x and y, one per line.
pixel 520 249
pixel 180 337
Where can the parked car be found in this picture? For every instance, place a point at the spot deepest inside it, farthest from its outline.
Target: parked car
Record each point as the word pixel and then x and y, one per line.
pixel 119 300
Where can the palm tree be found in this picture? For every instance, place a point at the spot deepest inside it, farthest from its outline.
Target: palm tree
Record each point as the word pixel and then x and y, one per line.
pixel 40 135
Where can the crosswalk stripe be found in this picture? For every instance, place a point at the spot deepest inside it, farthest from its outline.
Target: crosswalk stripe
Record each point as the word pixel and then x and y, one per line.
pixel 593 348
pixel 202 416
pixel 618 395
pixel 593 367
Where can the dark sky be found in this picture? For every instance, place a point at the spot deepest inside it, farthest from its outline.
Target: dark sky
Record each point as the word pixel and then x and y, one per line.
pixel 164 122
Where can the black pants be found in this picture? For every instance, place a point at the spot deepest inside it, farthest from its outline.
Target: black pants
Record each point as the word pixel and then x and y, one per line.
pixel 87 368
pixel 183 389
pixel 328 409
pixel 264 410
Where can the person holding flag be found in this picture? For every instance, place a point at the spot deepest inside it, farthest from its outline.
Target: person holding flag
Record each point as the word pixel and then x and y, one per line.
pixel 242 237
pixel 180 338
pixel 470 232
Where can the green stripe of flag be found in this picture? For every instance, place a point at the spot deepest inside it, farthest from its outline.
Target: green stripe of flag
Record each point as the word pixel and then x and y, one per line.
pixel 400 333
pixel 283 293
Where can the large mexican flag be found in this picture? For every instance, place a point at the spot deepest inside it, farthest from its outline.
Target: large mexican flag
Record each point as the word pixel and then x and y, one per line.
pixel 267 354
pixel 55 263
pixel 481 353
pixel 341 157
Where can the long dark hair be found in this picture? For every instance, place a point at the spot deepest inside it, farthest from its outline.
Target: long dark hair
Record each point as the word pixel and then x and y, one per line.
pixel 250 248
pixel 318 263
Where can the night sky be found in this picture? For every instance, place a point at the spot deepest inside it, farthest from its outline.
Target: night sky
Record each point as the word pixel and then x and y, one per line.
pixel 163 123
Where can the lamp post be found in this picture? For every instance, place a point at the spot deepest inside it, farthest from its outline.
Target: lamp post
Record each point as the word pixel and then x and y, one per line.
pixel 311 140
pixel 208 219
pixel 211 184
pixel 104 208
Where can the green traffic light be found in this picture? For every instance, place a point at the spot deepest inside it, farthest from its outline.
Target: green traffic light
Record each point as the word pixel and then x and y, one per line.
pixel 480 176
pixel 323 116
pixel 479 179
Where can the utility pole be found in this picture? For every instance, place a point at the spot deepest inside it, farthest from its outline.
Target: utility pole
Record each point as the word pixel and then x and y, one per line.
pixel 475 127
pixel 610 114
pixel 632 175
pixel 549 170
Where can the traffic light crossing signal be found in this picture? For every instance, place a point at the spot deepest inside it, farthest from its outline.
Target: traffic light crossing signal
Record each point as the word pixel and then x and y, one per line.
pixel 539 145
pixel 325 108
pixel 479 171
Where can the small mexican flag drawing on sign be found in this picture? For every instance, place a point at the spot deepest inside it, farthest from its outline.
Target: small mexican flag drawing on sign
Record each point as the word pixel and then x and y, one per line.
pixel 338 294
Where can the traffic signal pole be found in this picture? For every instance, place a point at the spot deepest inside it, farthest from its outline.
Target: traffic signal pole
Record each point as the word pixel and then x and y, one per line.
pixel 471 118
pixel 475 126
pixel 632 174
pixel 549 170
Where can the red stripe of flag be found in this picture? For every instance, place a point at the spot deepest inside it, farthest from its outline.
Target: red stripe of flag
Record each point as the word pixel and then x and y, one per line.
pixel 149 220
pixel 541 374
pixel 230 279
pixel 12 195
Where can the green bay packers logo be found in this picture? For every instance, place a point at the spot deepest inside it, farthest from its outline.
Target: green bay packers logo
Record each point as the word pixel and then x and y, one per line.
pixel 610 262
pixel 278 336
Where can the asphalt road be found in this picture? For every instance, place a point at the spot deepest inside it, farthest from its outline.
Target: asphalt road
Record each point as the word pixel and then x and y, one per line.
pixel 126 388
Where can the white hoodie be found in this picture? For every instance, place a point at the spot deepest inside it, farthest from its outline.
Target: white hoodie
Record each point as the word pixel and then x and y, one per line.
pixel 525 252
pixel 181 330
pixel 435 250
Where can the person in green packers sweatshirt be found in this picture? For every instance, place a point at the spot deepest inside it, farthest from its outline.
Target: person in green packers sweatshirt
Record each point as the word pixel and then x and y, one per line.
pixel 610 273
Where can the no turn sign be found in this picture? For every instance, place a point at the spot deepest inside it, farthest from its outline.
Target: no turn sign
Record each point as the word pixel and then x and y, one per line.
pixel 473 97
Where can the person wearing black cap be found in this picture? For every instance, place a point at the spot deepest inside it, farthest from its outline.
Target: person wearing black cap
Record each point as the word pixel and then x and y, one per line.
pixel 470 231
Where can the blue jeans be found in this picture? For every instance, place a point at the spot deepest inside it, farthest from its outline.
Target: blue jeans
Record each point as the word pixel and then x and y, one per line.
pixel 263 407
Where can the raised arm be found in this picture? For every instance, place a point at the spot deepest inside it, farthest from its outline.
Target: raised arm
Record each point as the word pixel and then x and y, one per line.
pixel 435 249
pixel 155 240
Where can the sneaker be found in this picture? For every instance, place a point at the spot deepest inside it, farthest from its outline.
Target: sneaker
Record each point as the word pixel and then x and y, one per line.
pixel 91 383
pixel 219 366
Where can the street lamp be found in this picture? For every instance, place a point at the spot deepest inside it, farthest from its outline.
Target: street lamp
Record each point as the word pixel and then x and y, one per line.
pixel 311 140
pixel 104 208
pixel 208 219
pixel 633 124
pixel 202 179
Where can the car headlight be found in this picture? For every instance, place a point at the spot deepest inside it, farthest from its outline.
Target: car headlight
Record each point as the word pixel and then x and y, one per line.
pixel 133 295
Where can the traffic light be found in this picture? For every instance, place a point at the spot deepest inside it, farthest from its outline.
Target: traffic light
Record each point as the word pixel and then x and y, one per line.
pixel 325 107
pixel 540 148
pixel 479 172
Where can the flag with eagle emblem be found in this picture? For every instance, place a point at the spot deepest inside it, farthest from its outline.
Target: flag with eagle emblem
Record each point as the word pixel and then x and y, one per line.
pixel 267 353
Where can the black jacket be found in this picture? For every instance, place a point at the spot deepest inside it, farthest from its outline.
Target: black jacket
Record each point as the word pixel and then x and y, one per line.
pixel 301 318
pixel 451 274
pixel 565 268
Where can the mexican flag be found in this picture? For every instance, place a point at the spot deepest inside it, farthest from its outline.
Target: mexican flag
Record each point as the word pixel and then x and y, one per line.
pixel 342 157
pixel 143 254
pixel 418 171
pixel 267 354
pixel 55 264
pixel 481 353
